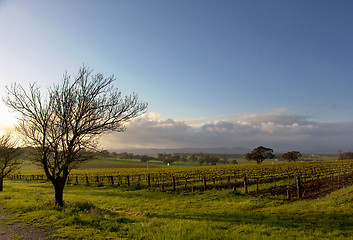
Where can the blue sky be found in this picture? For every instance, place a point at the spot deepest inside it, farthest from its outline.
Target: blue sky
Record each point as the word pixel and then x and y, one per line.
pixel 211 71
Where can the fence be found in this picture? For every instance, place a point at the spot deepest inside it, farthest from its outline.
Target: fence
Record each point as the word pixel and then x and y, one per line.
pixel 290 186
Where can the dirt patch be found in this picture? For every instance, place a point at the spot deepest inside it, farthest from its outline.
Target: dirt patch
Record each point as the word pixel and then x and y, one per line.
pixel 11 229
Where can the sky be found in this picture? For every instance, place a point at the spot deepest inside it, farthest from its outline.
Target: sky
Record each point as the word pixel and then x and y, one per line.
pixel 214 73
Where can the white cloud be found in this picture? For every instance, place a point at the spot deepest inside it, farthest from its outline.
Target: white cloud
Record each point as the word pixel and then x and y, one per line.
pixel 278 130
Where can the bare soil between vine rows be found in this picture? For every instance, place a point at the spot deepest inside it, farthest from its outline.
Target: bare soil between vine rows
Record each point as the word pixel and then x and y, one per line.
pixel 312 189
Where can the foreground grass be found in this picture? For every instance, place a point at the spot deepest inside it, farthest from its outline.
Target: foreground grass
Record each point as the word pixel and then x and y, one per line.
pixel 94 212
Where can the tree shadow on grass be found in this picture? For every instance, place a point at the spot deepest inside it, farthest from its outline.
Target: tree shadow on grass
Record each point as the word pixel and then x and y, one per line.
pixel 320 221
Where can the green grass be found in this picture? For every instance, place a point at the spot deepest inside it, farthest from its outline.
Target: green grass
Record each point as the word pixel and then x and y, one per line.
pixel 108 212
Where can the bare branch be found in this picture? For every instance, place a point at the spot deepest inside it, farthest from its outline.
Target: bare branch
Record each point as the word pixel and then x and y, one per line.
pixel 62 126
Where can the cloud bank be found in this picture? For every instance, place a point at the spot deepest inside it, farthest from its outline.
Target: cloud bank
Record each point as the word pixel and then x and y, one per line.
pixel 278 130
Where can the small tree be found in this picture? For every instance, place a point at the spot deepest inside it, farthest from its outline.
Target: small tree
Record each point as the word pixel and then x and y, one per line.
pixel 9 160
pixel 259 154
pixel 104 153
pixel 161 157
pixel 192 158
pixel 213 160
pixel 291 156
pixel 124 155
pixel 224 160
pixel 345 155
pixel 70 120
pixel 146 158
pixel 168 159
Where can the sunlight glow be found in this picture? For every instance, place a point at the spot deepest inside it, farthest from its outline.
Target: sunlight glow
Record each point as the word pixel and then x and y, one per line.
pixel 7 122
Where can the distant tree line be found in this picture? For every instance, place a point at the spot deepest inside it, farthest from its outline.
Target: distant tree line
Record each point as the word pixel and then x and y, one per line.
pixel 201 158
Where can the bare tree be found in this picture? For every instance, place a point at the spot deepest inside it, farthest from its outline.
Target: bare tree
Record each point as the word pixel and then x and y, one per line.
pixel 69 121
pixel 9 160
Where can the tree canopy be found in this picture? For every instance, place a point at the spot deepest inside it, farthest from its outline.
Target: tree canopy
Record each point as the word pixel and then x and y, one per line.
pixel 70 119
pixel 345 155
pixel 259 154
pixel 291 156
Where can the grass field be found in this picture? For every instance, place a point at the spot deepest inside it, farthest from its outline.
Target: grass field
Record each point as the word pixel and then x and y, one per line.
pixel 94 212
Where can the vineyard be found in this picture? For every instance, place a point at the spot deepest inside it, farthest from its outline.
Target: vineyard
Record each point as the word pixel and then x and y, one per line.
pixel 292 180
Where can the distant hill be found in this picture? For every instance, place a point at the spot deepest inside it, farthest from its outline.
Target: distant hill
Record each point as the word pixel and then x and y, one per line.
pixel 140 151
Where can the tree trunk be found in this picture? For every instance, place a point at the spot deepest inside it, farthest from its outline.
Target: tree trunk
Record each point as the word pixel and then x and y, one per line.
pixel 1 184
pixel 59 193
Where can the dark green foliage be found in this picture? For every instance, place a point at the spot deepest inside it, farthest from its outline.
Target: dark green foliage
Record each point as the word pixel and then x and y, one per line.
pixel 291 156
pixel 259 154
pixel 345 156
pixel 146 158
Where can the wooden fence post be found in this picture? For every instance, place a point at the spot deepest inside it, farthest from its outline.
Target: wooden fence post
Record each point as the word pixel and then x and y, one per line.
pixel 338 179
pixel 299 187
pixel 235 182
pixel 204 184
pixel 275 180
pixel 288 193
pixel 128 180
pixel 245 184
pixel 173 183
